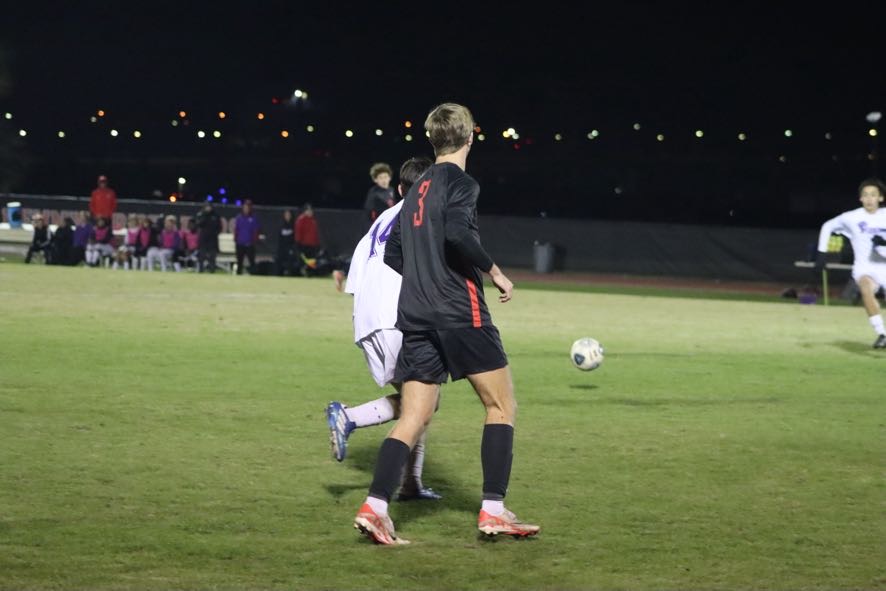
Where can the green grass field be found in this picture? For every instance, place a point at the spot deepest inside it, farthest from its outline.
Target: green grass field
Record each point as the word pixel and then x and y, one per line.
pixel 166 431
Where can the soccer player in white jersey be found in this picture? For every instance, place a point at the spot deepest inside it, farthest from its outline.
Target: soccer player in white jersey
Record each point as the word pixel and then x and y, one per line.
pixel 376 290
pixel 866 229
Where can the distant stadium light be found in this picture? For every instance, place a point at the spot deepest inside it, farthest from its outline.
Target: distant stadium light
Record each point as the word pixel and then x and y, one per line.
pixel 175 122
pixel 378 132
pixel 309 128
pixel 284 134
pixel 618 190
pixel 481 137
pixel 260 116
pixel 558 137
pixel 182 114
pixel 506 134
pixel 408 137
pixel 782 159
pixel 61 134
pixel 7 116
pixel 114 133
pixel 173 199
pixel 788 133
pixel 209 198
pixel 872 132
pixel 873 116
pixel 93 119
pixel 224 200
pixel 136 134
pixel 636 127
pixel 407 124
pixel 699 133
pixel 349 133
pixel 828 136
pixel 298 93
pixel 511 131
pixel 221 191
pixel 222 114
pixel 182 180
pixel 22 132
pixel 201 134
pixel 238 202
pixel 593 134
pixel 100 113
pixel 216 134
pixel 742 137
pixel 660 137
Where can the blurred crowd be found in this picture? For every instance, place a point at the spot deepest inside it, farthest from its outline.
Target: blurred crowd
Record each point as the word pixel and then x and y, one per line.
pixel 158 242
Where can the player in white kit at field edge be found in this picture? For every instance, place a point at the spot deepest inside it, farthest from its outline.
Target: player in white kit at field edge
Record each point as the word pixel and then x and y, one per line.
pixel 866 229
pixel 376 291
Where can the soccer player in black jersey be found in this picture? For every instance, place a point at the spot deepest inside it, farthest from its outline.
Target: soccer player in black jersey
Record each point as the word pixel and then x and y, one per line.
pixel 447 328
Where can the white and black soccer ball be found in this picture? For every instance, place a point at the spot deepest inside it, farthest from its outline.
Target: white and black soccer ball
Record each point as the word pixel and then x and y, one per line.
pixel 586 354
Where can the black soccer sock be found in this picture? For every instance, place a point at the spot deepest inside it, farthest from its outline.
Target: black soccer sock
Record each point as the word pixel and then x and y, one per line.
pixel 389 467
pixel 496 453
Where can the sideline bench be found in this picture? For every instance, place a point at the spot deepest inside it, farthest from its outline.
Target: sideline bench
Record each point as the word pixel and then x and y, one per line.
pixel 824 274
pixel 17 240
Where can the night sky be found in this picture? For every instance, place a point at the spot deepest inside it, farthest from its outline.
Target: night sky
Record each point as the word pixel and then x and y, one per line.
pixel 668 65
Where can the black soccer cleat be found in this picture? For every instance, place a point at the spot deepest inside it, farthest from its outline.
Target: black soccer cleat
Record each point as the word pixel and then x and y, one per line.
pixel 880 343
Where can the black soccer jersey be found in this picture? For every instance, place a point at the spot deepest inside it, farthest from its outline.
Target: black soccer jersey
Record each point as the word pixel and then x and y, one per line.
pixel 436 247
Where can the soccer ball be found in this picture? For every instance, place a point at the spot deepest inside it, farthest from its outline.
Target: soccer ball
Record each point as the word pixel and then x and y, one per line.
pixel 586 354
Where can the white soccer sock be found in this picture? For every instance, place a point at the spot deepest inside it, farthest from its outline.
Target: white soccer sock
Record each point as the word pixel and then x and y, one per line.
pixel 371 413
pixel 494 507
pixel 877 322
pixel 379 506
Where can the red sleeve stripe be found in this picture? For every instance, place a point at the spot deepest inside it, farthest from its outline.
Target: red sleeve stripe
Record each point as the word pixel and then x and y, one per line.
pixel 475 303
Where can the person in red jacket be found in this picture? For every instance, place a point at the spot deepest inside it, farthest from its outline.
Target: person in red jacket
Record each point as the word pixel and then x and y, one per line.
pixel 307 234
pixel 103 202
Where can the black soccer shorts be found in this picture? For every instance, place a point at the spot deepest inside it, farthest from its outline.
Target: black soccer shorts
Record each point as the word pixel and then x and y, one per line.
pixel 432 356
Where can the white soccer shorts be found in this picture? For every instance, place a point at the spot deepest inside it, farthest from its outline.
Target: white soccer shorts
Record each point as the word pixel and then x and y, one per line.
pixel 877 272
pixel 381 349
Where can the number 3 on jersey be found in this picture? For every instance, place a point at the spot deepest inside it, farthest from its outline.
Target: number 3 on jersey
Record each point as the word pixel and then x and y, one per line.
pixel 418 218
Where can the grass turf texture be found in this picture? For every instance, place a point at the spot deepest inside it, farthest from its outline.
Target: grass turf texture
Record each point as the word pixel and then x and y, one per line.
pixel 167 431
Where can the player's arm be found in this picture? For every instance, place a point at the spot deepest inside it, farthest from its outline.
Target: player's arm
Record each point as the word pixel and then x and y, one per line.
pixel 836 224
pixel 394 249
pixel 459 234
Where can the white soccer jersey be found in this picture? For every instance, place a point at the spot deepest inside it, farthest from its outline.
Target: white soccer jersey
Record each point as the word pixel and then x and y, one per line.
pixel 375 286
pixel 860 227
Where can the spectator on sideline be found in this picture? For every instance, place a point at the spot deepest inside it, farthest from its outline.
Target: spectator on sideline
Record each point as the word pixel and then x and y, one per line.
pixel 209 226
pixel 307 233
pixel 190 242
pixel 285 261
pixel 103 202
pixel 82 232
pixel 62 243
pixel 169 242
pixel 381 195
pixel 40 242
pixel 246 234
pixel 127 249
pixel 145 239
pixel 101 243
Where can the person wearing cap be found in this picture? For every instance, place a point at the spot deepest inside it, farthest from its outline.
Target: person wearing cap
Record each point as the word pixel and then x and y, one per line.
pixel 103 202
pixel 42 237
pixel 246 234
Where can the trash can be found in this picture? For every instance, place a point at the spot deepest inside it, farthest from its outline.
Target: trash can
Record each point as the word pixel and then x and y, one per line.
pixel 544 257
pixel 14 214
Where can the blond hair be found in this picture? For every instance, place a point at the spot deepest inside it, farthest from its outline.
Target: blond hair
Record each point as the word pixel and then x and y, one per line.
pixel 449 128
